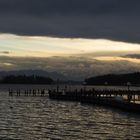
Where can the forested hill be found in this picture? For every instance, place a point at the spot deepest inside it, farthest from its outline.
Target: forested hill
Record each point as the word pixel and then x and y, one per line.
pixel 22 79
pixel 115 79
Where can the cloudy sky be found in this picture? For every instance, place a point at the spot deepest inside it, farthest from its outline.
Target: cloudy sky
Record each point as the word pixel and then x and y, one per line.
pixel 78 38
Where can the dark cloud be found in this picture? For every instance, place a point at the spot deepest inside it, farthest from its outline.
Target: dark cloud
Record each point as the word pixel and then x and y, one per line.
pixel 39 7
pixel 111 19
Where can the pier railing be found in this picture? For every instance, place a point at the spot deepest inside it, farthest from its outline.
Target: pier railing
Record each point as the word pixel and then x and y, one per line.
pixel 28 92
pixel 130 95
pixel 123 99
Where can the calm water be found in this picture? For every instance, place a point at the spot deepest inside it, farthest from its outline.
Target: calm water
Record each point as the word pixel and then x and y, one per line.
pixel 38 118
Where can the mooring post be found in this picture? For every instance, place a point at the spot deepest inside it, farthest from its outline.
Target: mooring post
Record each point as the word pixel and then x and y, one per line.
pixel 10 92
pixel 57 88
pixel 129 92
pixel 18 92
pixel 34 92
pixel 42 92
pixel 134 98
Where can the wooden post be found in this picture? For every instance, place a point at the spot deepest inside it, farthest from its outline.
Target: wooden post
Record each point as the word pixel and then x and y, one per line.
pixel 57 89
pixel 134 98
pixel 129 93
pixel 10 92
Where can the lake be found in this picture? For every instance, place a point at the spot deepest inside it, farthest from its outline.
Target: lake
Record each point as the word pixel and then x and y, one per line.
pixel 39 118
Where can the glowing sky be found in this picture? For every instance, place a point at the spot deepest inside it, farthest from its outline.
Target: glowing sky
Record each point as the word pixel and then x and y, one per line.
pixel 13 45
pixel 76 38
pixel 74 58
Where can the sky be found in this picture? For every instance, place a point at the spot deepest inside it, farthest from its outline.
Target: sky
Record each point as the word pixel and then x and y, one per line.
pixel 76 38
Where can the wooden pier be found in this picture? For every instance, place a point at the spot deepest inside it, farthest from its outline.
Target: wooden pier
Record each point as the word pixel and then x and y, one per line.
pixel 28 92
pixel 122 99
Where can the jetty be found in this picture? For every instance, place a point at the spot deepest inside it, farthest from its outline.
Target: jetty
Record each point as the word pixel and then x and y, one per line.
pixel 128 100
pixel 28 92
pixel 121 99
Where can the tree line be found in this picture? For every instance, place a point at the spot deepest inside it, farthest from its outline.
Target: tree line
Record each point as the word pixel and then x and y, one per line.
pixel 115 79
pixel 23 79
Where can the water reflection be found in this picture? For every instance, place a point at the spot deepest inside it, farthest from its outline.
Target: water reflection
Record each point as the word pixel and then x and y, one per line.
pixel 38 118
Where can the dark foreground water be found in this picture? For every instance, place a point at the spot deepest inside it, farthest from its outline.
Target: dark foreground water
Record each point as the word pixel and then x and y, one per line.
pixel 38 118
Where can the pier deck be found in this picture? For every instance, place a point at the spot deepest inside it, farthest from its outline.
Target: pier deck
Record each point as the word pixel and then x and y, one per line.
pixel 28 92
pixel 122 99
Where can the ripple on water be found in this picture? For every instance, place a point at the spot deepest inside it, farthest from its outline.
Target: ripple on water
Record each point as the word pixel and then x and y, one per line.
pixel 36 118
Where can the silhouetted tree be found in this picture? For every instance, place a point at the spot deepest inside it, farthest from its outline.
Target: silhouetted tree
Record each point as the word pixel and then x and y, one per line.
pixel 112 79
pixel 23 79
